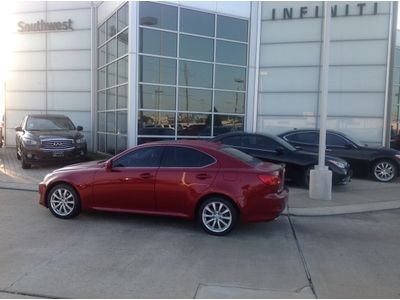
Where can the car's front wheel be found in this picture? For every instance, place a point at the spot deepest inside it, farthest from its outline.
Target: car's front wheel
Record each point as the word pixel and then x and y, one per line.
pixel 217 216
pixel 63 201
pixel 24 164
pixel 384 170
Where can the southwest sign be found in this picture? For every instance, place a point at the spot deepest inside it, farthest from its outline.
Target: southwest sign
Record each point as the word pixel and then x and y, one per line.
pixel 41 26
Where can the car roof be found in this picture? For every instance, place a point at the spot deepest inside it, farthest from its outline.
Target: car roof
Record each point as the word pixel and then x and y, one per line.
pixel 308 129
pixel 237 133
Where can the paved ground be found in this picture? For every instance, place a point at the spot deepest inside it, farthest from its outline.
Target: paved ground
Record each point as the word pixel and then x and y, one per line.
pixel 104 255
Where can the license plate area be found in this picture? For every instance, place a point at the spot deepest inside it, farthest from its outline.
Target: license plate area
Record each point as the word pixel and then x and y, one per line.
pixel 58 154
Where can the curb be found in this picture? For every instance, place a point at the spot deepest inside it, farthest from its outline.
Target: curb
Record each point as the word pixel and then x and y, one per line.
pixel 19 187
pixel 342 209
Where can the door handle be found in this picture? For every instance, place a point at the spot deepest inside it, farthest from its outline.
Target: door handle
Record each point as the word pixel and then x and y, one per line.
pixel 203 176
pixel 146 176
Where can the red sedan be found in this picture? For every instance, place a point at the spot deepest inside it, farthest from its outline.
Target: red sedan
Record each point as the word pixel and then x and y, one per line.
pixel 214 183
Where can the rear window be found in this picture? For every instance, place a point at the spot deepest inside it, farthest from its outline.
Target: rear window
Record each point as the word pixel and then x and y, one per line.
pixel 240 155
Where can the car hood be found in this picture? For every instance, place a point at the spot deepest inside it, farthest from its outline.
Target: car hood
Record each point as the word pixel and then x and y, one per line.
pixel 96 164
pixel 68 134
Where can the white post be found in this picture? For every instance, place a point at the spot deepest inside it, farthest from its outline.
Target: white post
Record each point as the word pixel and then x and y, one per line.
pixel 321 176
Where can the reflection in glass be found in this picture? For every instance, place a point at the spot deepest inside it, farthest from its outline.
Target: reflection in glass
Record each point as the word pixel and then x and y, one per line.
pixel 110 144
pixel 102 78
pixel 122 99
pixel 223 124
pixel 122 143
pixel 198 48
pixel 112 26
pixel 101 142
pixel 111 74
pixel 229 102
pixel 158 15
pixel 156 97
pixel 110 122
pixel 101 122
pixel 122 122
pixel 230 78
pixel 196 22
pixel 231 28
pixel 144 140
pixel 123 17
pixel 194 124
pixel 111 99
pixel 157 42
pixel 122 43
pixel 231 53
pixel 157 70
pixel 112 50
pixel 101 34
pixel 102 56
pixel 101 100
pixel 123 70
pixel 194 100
pixel 156 123
pixel 195 74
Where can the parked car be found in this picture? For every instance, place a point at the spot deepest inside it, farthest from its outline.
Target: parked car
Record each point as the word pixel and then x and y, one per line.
pixel 48 138
pixel 298 163
pixel 394 140
pixel 381 163
pixel 217 185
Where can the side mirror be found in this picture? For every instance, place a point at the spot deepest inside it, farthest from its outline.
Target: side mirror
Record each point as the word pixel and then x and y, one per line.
pixel 109 165
pixel 79 128
pixel 279 150
pixel 19 128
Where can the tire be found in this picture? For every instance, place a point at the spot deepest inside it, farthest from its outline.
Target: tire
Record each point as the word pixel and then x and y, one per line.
pixel 63 201
pixel 217 216
pixel 384 170
pixel 24 164
pixel 18 156
pixel 305 177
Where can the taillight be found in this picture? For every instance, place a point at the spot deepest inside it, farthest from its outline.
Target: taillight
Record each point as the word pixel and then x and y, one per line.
pixel 271 180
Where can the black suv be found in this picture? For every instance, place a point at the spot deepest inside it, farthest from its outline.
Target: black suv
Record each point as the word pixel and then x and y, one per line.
pixel 47 138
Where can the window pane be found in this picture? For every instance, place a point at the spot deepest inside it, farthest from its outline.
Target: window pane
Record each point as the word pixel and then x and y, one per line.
pixel 101 123
pixel 196 48
pixel 122 100
pixel 193 158
pixel 112 26
pixel 157 42
pixel 102 78
pixel 122 143
pixel 195 74
pixel 111 50
pixel 230 78
pixel 110 123
pixel 122 43
pixel 111 74
pixel 101 100
pixel 143 140
pixel 102 56
pixel 195 100
pixel 123 70
pixel 123 17
pixel 156 123
pixel 232 29
pixel 157 70
pixel 101 34
pixel 229 102
pixel 111 99
pixel 224 124
pixel 122 122
pixel 194 124
pixel 156 97
pixel 101 142
pixel 334 140
pixel 158 15
pixel 231 53
pixel 110 144
pixel 197 22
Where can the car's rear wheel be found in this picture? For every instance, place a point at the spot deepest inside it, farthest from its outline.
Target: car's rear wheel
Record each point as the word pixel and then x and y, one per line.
pixel 217 216
pixel 24 164
pixel 63 201
pixel 384 170
pixel 305 180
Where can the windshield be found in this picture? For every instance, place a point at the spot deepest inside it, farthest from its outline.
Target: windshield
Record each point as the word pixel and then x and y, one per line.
pixel 240 155
pixel 49 123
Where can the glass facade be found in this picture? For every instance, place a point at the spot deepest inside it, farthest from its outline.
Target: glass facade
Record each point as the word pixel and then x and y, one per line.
pixel 395 126
pixel 192 73
pixel 112 86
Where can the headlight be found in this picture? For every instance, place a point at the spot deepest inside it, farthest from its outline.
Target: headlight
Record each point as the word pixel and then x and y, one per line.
pixel 397 156
pixel 29 142
pixel 80 140
pixel 337 164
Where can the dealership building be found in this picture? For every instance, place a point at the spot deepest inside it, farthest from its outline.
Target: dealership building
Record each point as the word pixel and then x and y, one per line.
pixel 132 72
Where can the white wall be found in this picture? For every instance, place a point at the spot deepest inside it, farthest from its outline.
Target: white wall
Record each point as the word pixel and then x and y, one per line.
pixel 50 72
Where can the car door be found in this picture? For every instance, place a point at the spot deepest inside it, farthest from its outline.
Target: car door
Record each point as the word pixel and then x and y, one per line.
pixel 184 174
pixel 130 184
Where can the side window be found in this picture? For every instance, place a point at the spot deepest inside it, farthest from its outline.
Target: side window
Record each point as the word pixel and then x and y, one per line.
pixel 264 143
pixel 146 157
pixel 335 140
pixel 233 141
pixel 305 137
pixel 185 157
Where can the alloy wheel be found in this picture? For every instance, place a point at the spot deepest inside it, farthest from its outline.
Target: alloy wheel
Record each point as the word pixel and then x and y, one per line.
pixel 62 202
pixel 384 171
pixel 217 217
